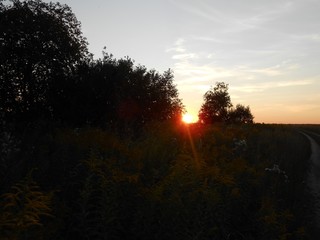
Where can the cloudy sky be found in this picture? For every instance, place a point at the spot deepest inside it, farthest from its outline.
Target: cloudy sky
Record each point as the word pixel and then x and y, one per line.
pixel 268 51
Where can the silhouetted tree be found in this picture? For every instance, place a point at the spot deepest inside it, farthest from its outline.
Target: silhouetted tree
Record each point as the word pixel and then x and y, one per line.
pixel 217 107
pixel 216 104
pixel 240 114
pixel 46 71
pixel 118 93
pixel 89 94
pixel 41 43
pixel 164 99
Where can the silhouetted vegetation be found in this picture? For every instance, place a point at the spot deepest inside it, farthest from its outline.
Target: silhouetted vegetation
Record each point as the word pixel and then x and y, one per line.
pixel 41 45
pixel 92 183
pixel 217 107
pixel 110 92
pixel 94 149
pixel 46 72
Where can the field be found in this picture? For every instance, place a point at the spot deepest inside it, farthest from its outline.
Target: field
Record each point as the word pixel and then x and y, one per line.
pixel 171 181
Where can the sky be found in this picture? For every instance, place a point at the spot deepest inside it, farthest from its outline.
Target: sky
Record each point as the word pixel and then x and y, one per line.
pixel 268 51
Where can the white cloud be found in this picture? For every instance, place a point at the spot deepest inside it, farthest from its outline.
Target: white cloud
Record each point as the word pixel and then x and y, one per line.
pixel 189 69
pixel 178 47
pixel 264 86
pixel 209 39
pixel 184 56
pixel 313 37
pixel 190 72
pixel 279 69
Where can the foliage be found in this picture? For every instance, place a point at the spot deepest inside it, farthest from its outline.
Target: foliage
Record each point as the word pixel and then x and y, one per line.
pixel 23 208
pixel 240 114
pixel 40 45
pixel 9 146
pixel 216 104
pixel 116 93
pixel 175 182
pixel 217 107
pixel 46 72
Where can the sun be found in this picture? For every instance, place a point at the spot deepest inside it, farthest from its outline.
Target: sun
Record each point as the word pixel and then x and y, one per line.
pixel 187 118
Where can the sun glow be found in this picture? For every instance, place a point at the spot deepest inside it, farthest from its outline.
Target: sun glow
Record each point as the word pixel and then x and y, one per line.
pixel 188 118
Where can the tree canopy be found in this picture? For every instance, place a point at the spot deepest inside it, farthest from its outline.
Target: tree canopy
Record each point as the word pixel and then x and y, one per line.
pixel 47 72
pixel 240 114
pixel 116 92
pixel 41 43
pixel 217 107
pixel 216 104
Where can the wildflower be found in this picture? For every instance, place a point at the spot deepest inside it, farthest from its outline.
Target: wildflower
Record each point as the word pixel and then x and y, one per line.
pixel 239 146
pixel 276 169
pixel 239 143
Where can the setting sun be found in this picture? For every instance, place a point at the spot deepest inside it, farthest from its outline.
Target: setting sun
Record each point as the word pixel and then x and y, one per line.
pixel 187 118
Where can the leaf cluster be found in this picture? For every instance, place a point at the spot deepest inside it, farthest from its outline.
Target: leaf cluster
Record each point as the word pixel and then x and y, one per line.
pixel 23 208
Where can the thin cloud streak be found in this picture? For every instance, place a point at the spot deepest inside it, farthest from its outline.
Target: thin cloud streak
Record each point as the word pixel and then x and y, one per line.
pixel 262 87
pixel 184 56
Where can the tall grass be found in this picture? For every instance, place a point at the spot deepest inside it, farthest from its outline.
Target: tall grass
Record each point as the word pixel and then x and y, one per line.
pixel 173 181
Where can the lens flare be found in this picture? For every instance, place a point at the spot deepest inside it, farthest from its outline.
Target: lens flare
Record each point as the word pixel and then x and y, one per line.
pixel 187 118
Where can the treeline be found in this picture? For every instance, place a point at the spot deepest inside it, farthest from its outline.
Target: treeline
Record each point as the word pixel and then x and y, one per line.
pixel 116 93
pixel 47 73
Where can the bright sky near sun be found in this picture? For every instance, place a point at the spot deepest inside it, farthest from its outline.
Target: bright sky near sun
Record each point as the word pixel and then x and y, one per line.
pixel 268 51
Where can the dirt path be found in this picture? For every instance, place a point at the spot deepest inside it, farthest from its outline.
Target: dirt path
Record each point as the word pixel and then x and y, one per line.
pixel 314 175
